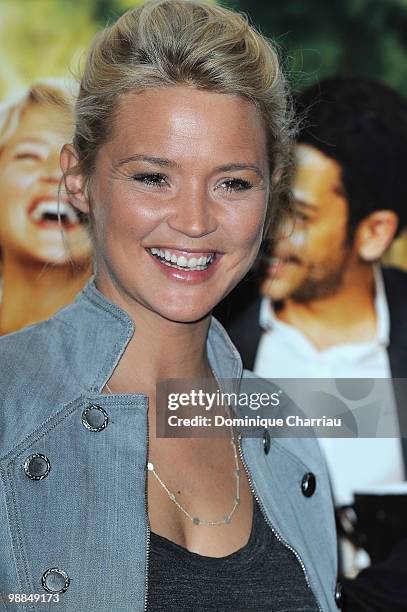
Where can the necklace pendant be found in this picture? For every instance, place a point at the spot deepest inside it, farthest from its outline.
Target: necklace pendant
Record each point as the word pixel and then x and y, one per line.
pixel 196 520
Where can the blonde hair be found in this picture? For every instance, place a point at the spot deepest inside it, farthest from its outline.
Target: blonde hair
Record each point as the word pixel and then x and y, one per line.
pixel 185 42
pixel 52 91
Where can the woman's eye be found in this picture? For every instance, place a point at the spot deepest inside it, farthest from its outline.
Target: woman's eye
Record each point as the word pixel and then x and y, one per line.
pixel 28 156
pixel 233 185
pixel 151 180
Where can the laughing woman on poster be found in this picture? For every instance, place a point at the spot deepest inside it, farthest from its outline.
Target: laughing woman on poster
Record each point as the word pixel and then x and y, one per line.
pixel 180 159
pixel 44 260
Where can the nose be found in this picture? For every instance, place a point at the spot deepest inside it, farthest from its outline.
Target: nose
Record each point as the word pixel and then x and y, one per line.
pixel 51 172
pixel 290 238
pixel 194 213
pixel 282 237
pixel 290 246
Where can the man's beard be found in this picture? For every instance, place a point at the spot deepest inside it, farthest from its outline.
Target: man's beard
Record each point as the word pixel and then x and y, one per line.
pixel 324 281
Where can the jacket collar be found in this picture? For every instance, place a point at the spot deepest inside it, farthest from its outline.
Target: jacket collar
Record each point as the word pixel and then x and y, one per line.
pixel 103 330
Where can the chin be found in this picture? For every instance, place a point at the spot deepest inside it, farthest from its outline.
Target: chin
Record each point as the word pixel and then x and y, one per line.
pixel 186 304
pixel 42 257
pixel 54 259
pixel 184 314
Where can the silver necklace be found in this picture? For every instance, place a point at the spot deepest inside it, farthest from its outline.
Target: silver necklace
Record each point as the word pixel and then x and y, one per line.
pixel 195 519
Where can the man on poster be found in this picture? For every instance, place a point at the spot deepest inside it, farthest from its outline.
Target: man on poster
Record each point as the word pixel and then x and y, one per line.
pixel 328 309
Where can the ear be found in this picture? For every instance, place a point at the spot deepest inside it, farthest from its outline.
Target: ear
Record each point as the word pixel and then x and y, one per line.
pixel 375 234
pixel 74 181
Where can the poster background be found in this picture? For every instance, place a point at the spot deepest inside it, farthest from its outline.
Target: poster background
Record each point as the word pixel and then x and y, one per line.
pixel 46 38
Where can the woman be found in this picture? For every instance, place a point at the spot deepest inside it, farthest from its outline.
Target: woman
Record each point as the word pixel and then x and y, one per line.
pixel 179 159
pixel 45 252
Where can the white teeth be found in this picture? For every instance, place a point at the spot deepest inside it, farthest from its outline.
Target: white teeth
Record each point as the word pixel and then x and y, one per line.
pixel 54 210
pixel 194 263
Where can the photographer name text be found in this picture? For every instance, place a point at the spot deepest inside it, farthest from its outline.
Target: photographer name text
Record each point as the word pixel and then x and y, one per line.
pixel 257 421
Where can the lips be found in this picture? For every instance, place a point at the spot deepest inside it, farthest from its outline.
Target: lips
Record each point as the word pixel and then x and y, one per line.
pixel 47 212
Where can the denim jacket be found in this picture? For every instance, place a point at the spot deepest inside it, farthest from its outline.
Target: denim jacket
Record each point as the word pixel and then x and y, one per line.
pixel 73 510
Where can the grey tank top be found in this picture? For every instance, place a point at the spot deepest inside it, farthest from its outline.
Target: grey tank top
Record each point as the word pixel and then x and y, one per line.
pixel 263 576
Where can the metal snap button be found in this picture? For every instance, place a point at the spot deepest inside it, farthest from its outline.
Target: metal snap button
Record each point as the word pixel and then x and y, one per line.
pixel 308 484
pixel 55 580
pixel 95 418
pixel 338 595
pixel 266 441
pixel 37 466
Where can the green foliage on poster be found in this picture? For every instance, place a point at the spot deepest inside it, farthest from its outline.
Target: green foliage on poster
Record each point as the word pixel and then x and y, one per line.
pixel 319 38
pixel 364 37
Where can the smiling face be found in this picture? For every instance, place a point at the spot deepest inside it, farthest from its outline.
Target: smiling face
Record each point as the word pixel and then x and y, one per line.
pixel 310 262
pixel 29 177
pixel 179 196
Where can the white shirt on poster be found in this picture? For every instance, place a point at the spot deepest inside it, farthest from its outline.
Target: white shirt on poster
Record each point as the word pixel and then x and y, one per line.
pixel 284 352
pixel 357 464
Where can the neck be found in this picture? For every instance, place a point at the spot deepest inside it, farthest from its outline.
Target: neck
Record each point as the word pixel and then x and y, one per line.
pixel 34 291
pixel 348 315
pixel 159 349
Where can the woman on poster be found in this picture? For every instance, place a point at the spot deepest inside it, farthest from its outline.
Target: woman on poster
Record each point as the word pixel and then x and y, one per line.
pixel 45 253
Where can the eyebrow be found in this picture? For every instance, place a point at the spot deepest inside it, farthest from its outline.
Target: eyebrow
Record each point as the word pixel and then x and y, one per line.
pixel 157 161
pixel 233 167
pixel 167 163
